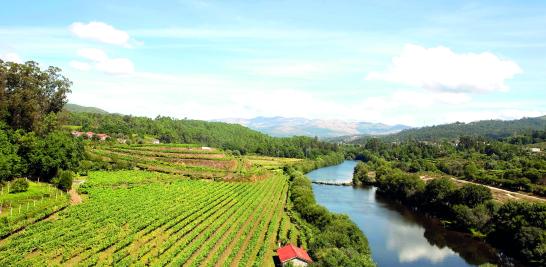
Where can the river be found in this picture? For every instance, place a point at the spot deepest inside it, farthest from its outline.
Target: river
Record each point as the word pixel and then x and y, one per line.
pixel 397 235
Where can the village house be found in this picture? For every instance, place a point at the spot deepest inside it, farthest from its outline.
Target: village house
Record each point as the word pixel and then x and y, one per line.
pixel 535 149
pixel 155 141
pixel 77 134
pixel 101 137
pixel 90 135
pixel 293 255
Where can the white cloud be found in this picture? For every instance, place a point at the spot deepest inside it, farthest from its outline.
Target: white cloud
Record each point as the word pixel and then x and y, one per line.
pixel 83 66
pixel 101 32
pixel 116 66
pixel 93 54
pixel 102 62
pixel 13 57
pixel 441 69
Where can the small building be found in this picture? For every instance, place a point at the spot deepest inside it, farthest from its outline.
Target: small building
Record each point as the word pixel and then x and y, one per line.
pixel 293 255
pixel 102 137
pixel 206 148
pixel 535 149
pixel 77 133
pixel 89 135
pixel 155 141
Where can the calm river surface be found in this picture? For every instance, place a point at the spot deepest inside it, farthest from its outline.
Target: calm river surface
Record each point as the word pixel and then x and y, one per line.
pixel 397 235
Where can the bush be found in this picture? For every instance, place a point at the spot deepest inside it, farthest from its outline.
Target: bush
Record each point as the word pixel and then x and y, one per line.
pixel 19 185
pixel 64 180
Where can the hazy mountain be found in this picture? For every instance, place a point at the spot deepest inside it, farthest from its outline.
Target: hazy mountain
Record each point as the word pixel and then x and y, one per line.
pixel 77 108
pixel 281 126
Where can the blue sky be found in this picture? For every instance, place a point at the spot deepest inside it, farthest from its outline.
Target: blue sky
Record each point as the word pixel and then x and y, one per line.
pixel 411 62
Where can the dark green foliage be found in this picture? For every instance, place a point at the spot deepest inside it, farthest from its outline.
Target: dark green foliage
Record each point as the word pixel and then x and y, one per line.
pixel 19 185
pixel 472 195
pixel 9 160
pixel 44 156
pixel 360 174
pixel 438 192
pixel 406 187
pixel 64 180
pixel 231 137
pixel 489 128
pixel 521 227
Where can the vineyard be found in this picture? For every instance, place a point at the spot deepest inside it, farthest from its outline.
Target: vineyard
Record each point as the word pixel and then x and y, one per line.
pixel 187 160
pixel 166 216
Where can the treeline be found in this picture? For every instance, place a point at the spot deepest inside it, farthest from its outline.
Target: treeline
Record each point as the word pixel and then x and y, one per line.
pixel 479 159
pixel 31 142
pixel 232 137
pixel 335 240
pixel 489 128
pixel 517 227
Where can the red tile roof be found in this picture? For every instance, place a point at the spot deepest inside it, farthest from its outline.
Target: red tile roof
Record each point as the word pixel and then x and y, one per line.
pixel 290 251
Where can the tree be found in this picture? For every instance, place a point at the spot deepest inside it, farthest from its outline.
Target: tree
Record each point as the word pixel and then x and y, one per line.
pixel 9 160
pixel 29 94
pixel 64 180
pixel 438 192
pixel 360 174
pixel 472 195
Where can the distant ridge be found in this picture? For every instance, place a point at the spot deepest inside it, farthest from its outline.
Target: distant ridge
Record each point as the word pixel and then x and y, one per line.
pixel 488 128
pixel 77 108
pixel 284 127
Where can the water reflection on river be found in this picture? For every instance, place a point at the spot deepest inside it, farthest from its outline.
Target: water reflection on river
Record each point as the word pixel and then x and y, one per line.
pixel 397 235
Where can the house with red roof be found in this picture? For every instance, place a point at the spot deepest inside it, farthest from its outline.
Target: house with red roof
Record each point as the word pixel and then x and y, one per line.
pixel 294 255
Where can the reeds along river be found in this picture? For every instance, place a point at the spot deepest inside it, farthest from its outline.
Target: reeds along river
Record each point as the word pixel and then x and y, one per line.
pixel 397 235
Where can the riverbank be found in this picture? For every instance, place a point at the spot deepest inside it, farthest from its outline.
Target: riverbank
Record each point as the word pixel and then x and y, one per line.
pixel 398 235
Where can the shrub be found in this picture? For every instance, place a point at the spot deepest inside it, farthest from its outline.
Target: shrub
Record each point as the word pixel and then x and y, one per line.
pixel 64 180
pixel 19 185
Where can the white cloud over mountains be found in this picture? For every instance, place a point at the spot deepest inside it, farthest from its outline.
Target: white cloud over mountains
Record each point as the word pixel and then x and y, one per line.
pixel 441 69
pixel 101 32
pixel 100 60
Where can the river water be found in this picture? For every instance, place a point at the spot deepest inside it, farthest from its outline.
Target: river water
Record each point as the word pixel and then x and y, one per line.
pixel 397 235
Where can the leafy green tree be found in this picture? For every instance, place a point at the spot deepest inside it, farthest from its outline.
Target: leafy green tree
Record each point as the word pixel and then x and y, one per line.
pixel 64 180
pixel 472 195
pixel 9 160
pixel 438 192
pixel 29 94
pixel 360 174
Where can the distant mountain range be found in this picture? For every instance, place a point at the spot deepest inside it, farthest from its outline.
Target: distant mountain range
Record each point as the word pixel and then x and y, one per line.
pixel 77 108
pixel 283 127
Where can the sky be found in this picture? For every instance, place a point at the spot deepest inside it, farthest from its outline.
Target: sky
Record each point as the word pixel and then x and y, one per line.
pixel 396 62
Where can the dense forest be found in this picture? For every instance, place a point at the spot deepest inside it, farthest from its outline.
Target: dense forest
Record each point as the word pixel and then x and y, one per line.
pixel 232 137
pixel 494 129
pixel 32 143
pixel 499 163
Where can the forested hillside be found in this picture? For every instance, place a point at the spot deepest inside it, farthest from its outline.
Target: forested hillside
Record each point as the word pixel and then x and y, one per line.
pixel 487 128
pixel 77 108
pixel 234 137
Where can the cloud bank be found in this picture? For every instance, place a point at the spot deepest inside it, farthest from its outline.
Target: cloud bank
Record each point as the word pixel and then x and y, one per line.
pixel 441 69
pixel 101 32
pixel 102 62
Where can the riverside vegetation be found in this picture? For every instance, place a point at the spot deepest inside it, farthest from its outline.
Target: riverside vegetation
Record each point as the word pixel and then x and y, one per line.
pixel 518 227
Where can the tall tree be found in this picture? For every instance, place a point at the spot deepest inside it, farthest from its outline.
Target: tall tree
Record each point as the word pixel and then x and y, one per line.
pixel 28 94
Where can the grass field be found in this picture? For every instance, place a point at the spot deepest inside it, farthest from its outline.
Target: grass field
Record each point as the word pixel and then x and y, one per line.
pixel 142 217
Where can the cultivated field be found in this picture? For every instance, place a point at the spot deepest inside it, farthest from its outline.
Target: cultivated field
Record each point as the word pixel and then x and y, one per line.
pixel 142 217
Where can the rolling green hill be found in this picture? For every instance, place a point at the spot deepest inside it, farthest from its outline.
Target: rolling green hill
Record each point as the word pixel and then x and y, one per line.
pixel 488 128
pixel 77 108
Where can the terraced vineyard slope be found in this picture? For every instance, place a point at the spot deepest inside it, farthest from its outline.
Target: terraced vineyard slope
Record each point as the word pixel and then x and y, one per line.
pixel 143 217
